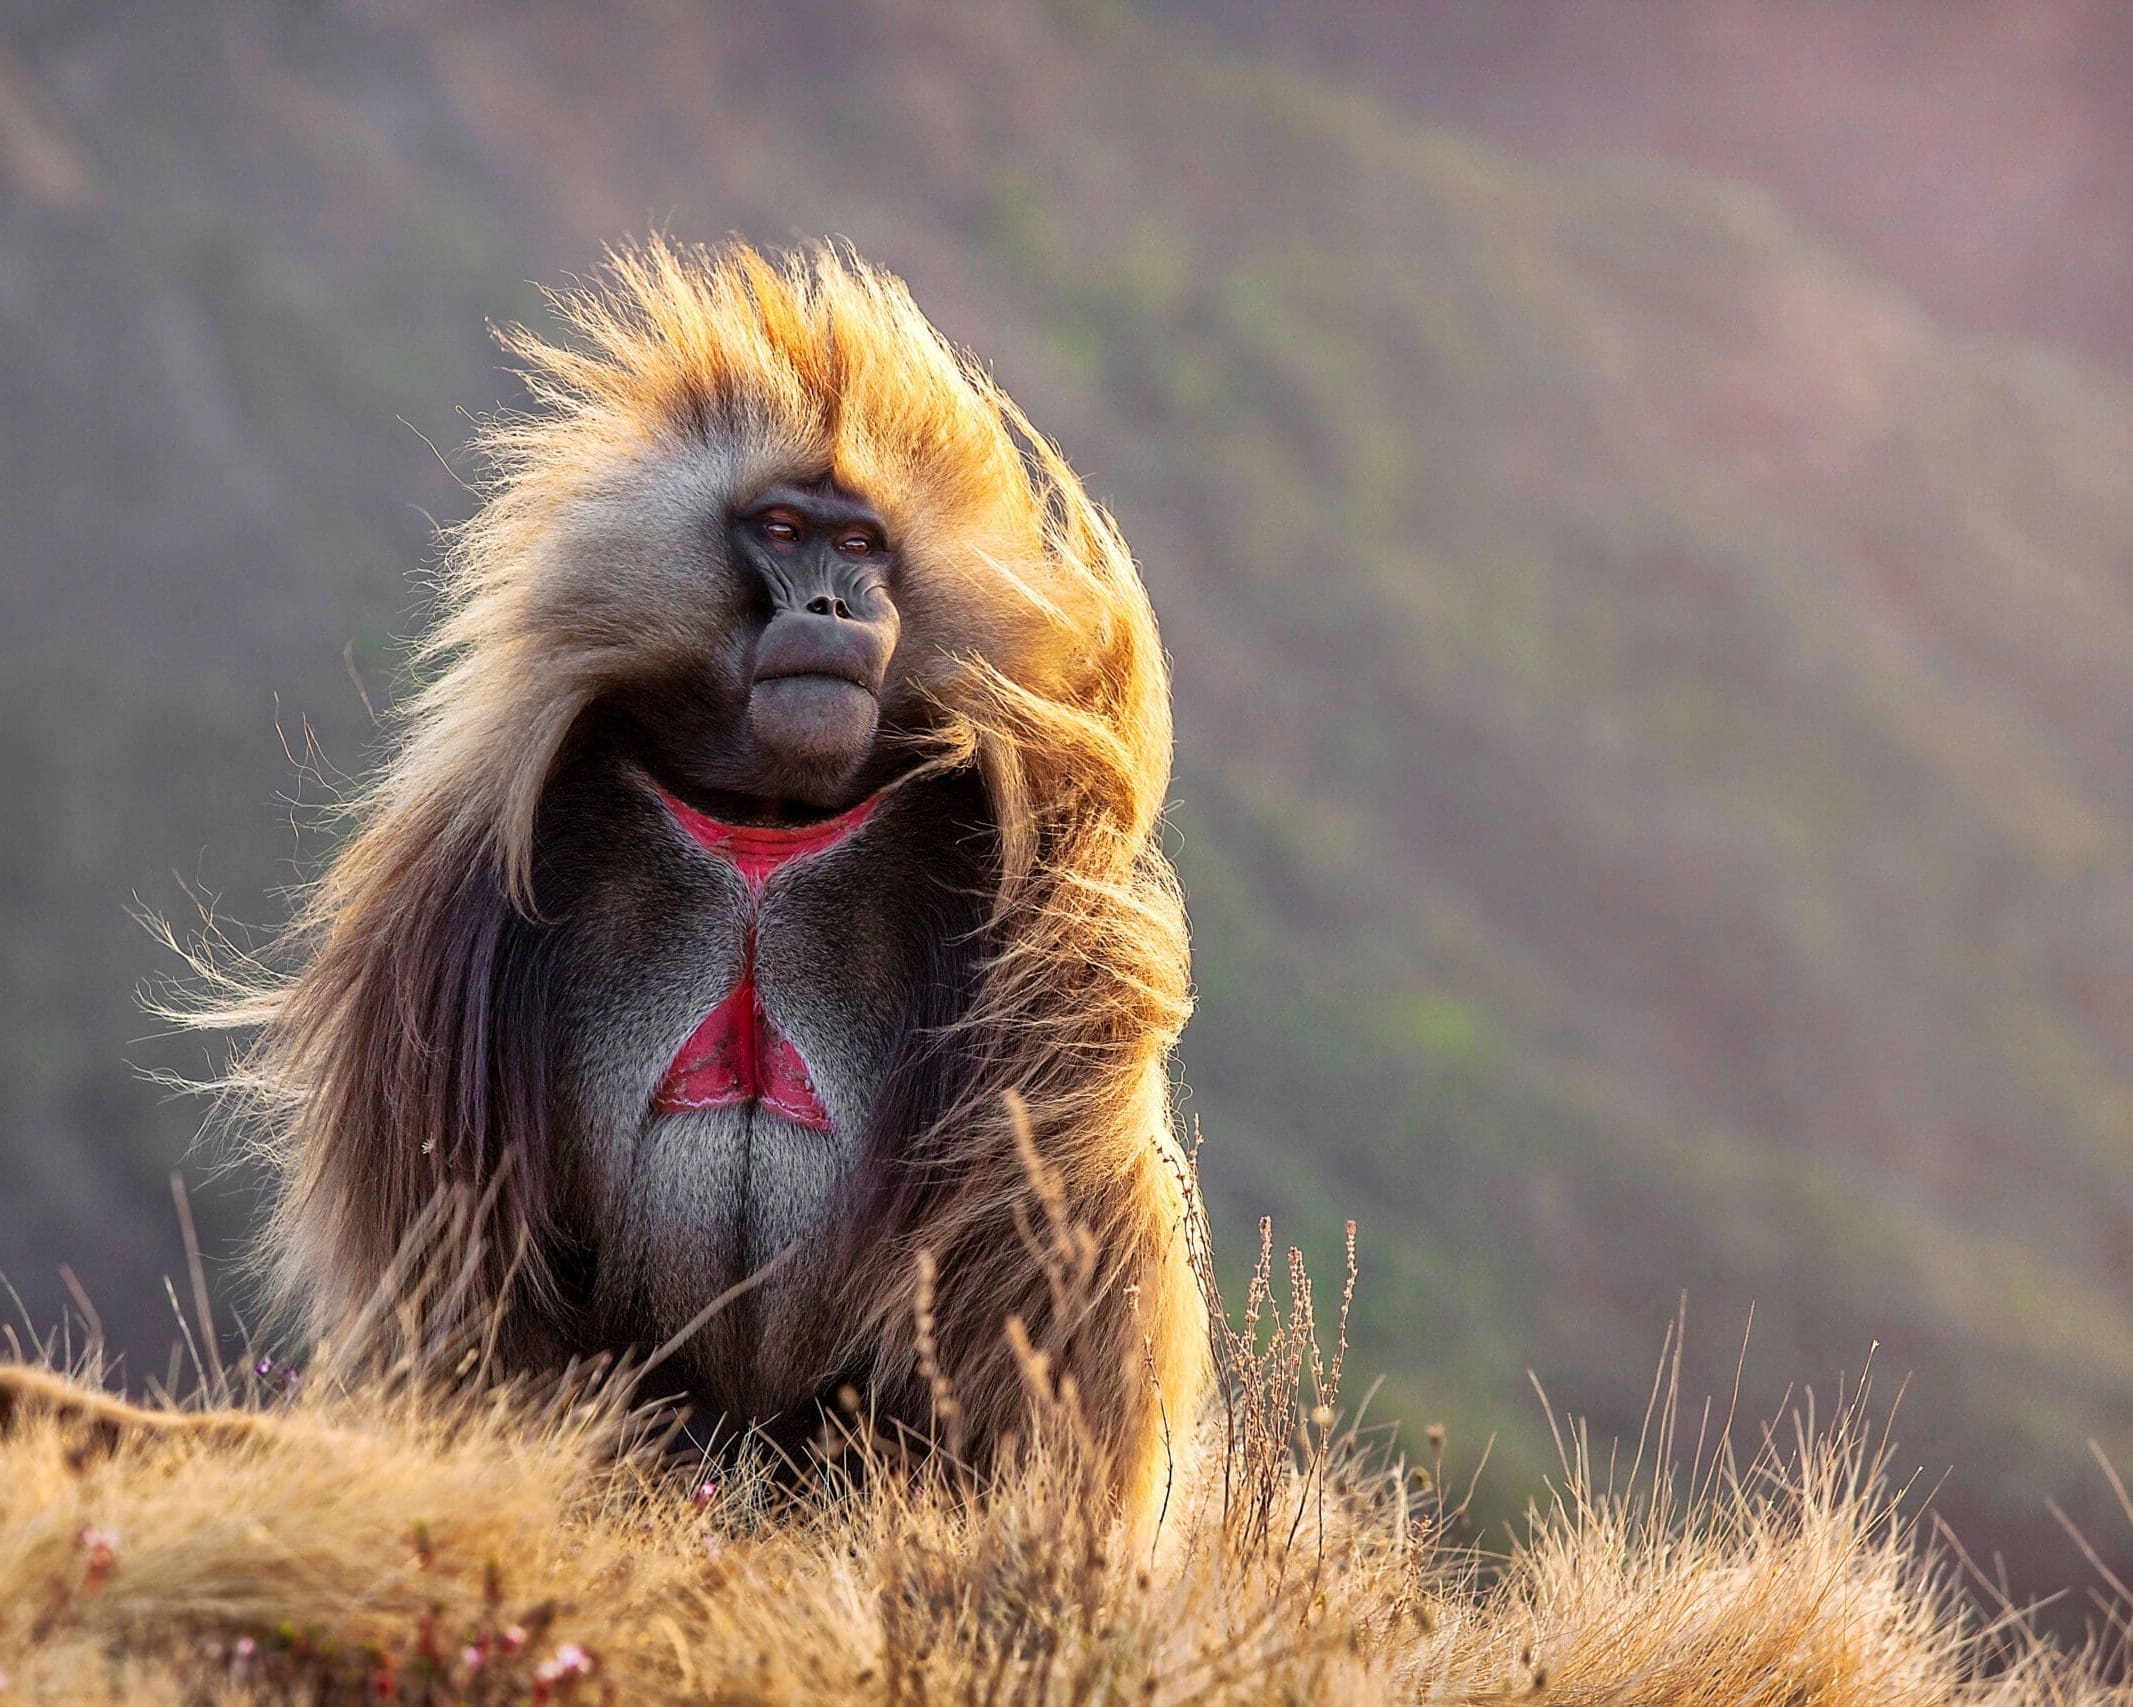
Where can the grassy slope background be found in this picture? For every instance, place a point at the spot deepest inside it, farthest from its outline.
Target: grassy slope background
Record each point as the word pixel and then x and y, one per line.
pixel 1655 765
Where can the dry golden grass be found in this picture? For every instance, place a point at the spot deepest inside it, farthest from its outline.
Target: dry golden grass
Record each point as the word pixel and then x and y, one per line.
pixel 423 1535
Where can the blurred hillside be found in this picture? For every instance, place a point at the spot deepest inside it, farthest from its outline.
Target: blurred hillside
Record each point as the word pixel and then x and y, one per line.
pixel 1975 150
pixel 1656 774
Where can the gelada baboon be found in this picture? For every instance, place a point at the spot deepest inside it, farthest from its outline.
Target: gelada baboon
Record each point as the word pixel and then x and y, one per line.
pixel 777 819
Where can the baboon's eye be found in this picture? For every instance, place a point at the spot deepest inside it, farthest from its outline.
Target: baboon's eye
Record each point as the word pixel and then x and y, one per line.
pixel 782 531
pixel 856 545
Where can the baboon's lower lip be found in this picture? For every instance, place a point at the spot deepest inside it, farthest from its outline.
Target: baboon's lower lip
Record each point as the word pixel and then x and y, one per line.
pixel 814 719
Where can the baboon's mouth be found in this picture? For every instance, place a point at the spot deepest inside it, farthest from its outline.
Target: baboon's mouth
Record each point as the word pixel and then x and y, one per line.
pixel 810 673
pixel 801 649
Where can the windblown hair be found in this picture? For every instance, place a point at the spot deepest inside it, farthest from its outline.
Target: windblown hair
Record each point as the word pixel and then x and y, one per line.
pixel 397 1049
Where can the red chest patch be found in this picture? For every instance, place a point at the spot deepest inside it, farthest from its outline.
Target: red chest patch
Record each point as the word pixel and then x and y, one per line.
pixel 736 1054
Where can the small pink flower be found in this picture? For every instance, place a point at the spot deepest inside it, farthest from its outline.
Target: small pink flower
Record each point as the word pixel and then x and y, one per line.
pixel 569 1663
pixel 514 1638
pixel 705 1494
pixel 473 1657
pixel 102 1547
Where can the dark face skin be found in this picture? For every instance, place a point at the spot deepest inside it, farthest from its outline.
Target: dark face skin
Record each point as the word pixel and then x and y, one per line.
pixel 784 721
pixel 814 698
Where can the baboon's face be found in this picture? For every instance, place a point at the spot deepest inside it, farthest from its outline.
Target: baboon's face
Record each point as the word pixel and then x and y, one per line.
pixel 823 625
pixel 772 684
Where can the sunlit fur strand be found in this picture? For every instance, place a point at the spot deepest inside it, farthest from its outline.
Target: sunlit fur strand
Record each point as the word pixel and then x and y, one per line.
pixel 1059 697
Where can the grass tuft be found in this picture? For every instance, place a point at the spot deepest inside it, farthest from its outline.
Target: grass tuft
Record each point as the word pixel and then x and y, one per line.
pixel 430 1533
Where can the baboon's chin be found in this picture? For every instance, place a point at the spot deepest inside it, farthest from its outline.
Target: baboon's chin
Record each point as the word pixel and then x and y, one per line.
pixel 818 729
